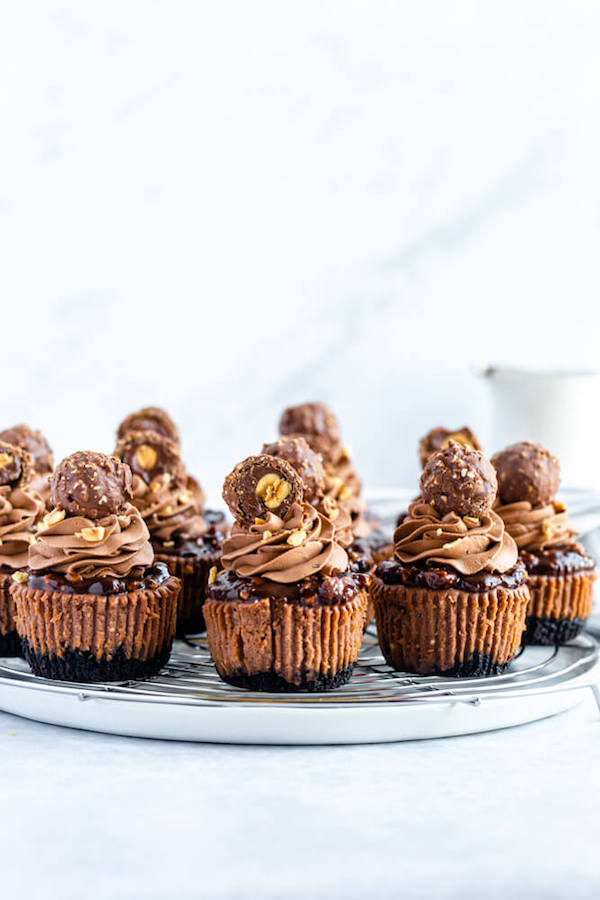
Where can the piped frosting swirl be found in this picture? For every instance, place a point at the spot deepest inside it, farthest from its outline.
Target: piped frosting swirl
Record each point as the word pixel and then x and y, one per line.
pixel 169 512
pixel 285 550
pixel 77 545
pixel 19 511
pixel 468 544
pixel 537 527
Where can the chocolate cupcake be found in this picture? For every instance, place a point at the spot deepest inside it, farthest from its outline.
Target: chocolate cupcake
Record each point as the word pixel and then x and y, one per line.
pixel 42 461
pixel 454 599
pixel 439 438
pixel 184 536
pixel 93 605
pixel 367 544
pixel 561 574
pixel 286 613
pixel 20 510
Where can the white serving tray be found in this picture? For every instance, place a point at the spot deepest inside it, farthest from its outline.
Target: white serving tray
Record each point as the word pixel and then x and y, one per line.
pixel 187 701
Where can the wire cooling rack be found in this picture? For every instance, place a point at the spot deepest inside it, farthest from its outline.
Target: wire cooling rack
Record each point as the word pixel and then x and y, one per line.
pixel 190 677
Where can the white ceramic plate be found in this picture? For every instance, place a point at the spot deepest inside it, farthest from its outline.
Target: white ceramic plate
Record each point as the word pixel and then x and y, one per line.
pixel 188 701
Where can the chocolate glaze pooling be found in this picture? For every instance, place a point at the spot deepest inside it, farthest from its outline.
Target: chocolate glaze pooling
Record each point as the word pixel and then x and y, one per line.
pixel 557 560
pixel 139 579
pixel 315 590
pixel 443 577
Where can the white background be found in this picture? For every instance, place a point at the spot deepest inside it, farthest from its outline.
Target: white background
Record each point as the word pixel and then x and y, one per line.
pixel 226 207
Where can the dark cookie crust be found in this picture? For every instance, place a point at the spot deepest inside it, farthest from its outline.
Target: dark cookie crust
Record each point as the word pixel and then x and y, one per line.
pixel 151 456
pixel 34 443
pixel 81 665
pixel 551 631
pixel 443 578
pixel 437 439
pixel 91 484
pixel 150 418
pixel 459 480
pixel 480 665
pixel 275 684
pixel 527 471
pixel 10 644
pixel 307 463
pixel 249 495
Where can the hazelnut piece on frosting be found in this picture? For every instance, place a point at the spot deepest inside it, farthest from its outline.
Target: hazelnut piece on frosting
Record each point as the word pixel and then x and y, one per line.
pixel 438 438
pixel 91 484
pixel 315 422
pixel 15 465
pixel 152 456
pixel 526 471
pixel 151 418
pixel 261 485
pixel 459 480
pixel 307 463
pixel 34 443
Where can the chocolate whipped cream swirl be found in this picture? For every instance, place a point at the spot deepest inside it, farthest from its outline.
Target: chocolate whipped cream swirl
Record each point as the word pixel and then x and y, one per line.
pixel 113 545
pixel 344 486
pixel 285 550
pixel 538 527
pixel 468 544
pixel 170 513
pixel 19 510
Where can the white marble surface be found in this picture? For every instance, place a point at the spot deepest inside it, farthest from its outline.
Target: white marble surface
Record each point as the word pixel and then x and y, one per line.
pixel 508 814
pixel 224 207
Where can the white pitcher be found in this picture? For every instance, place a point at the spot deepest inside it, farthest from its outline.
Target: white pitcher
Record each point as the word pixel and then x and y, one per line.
pixel 559 409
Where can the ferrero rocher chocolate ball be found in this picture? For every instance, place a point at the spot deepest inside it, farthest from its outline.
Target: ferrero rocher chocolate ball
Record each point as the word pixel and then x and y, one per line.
pixel 307 463
pixel 152 456
pixel 438 438
pixel 526 471
pixel 15 465
pixel 260 485
pixel 151 418
pixel 34 443
pixel 91 484
pixel 459 480
pixel 315 423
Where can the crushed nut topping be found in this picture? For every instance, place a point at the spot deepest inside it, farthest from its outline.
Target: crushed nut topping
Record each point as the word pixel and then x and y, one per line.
pixel 297 537
pixel 53 518
pixel 272 490
pixel 145 457
pixel 91 534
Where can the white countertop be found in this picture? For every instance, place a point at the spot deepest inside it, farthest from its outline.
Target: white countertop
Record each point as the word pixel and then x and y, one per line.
pixel 513 813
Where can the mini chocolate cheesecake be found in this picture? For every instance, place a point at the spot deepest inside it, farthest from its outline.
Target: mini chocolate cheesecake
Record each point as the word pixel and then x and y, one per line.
pixel 453 600
pixel 20 510
pixel 92 604
pixel 561 574
pixel 287 613
pixel 184 536
pixel 358 530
